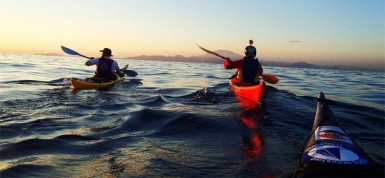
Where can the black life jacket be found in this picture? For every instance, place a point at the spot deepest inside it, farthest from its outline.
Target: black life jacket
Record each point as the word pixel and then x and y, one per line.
pixel 249 71
pixel 103 69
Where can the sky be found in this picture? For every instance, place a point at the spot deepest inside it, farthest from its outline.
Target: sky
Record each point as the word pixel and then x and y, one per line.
pixel 332 32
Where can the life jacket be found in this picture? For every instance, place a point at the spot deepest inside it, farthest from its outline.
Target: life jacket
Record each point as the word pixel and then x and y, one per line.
pixel 103 69
pixel 249 71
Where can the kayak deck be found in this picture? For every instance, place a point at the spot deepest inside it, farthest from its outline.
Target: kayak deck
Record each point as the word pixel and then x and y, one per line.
pixel 94 83
pixel 253 92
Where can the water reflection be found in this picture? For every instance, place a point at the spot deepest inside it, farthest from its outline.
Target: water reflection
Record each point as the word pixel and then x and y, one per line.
pixel 251 116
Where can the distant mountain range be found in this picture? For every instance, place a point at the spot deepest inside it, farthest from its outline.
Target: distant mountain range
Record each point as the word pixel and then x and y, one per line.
pixel 312 66
pixel 48 54
pixel 209 58
pixel 206 58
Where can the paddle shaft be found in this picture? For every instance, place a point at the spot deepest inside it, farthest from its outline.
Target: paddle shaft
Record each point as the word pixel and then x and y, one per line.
pixel 84 56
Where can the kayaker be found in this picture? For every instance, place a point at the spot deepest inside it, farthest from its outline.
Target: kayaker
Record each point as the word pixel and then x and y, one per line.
pixel 106 66
pixel 249 68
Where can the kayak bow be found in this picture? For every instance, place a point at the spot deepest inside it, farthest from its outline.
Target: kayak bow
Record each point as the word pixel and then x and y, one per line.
pixel 330 151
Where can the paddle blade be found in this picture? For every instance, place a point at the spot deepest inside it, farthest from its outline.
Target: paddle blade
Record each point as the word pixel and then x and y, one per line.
pixel 210 52
pixel 269 78
pixel 130 73
pixel 69 51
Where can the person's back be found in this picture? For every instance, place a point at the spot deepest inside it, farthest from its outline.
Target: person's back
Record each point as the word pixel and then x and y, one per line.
pixel 249 70
pixel 106 66
pixel 103 69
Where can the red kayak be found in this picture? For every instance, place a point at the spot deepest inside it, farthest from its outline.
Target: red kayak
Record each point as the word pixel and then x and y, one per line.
pixel 253 92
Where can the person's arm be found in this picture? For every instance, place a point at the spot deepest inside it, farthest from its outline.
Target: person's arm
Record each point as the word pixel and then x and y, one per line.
pixel 117 69
pixel 115 66
pixel 260 70
pixel 228 64
pixel 91 62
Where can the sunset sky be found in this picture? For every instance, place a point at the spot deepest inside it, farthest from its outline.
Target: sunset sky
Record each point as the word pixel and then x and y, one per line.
pixel 331 31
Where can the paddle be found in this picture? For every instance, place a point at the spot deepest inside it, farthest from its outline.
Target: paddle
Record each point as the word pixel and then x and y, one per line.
pixel 129 73
pixel 269 78
pixel 210 52
pixel 72 52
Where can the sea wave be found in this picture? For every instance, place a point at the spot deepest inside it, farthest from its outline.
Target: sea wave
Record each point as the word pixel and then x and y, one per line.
pixel 172 120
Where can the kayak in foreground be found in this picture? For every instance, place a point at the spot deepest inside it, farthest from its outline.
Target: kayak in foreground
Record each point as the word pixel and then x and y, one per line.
pixel 250 92
pixel 331 152
pixel 94 83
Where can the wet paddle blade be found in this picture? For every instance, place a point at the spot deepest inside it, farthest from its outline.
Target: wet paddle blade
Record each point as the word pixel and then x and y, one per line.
pixel 130 73
pixel 269 78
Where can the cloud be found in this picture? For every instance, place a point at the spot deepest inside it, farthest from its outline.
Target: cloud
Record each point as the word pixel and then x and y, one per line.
pixel 294 41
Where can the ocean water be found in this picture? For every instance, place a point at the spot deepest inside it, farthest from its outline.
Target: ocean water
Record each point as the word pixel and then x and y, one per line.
pixel 162 124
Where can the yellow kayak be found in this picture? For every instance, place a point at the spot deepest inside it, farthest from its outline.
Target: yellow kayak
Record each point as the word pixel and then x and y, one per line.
pixel 94 82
